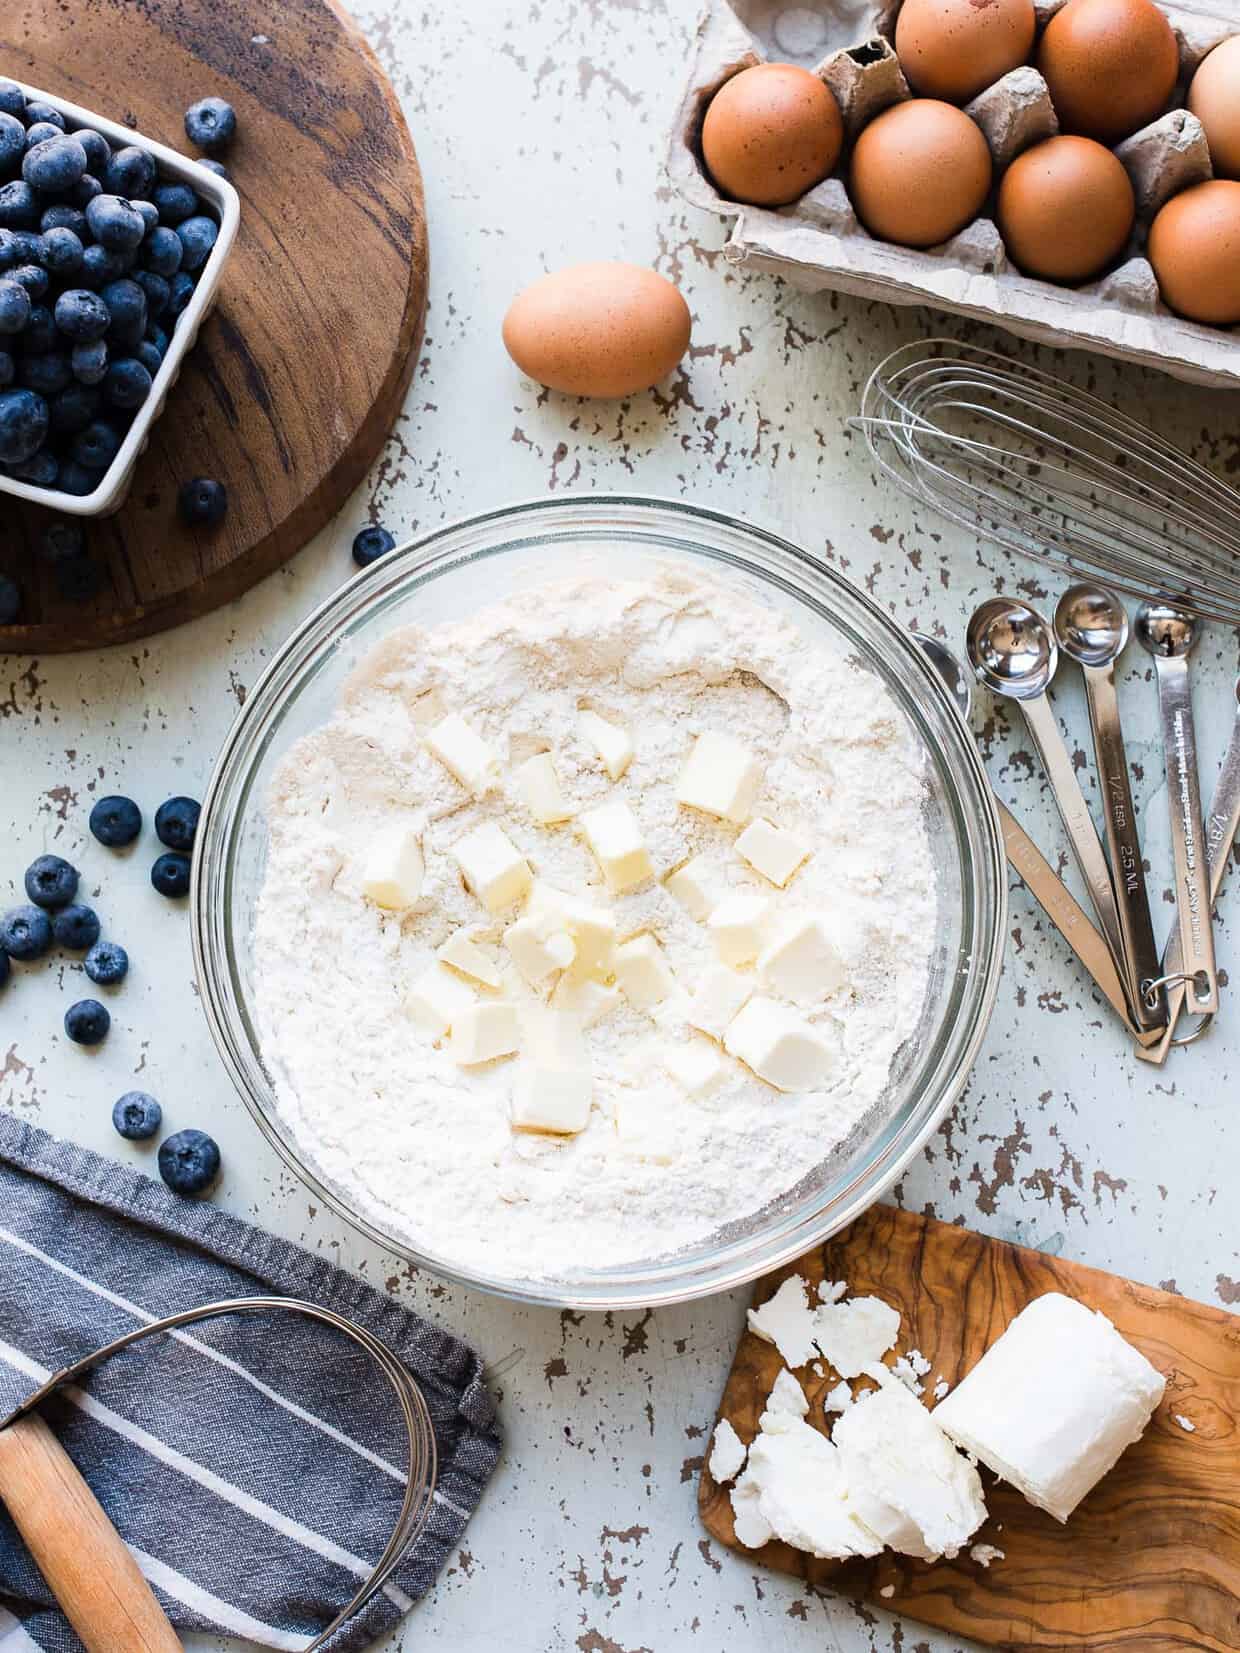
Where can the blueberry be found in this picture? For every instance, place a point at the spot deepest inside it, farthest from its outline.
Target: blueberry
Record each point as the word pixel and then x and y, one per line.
pixel 19 206
pixel 202 501
pixel 180 291
pixel 41 470
pixel 62 250
pixel 218 167
pixel 85 190
pixel 55 165
pixel 36 112
pixel 169 875
pixel 130 172
pixel 5 967
pixel 10 600
pixel 25 932
pixel 211 124
pixel 33 277
pixel 15 306
pixel 115 223
pixel 137 1116
pixel 76 406
pixel 127 383
pixel 126 304
pixel 26 246
pixel 40 333
pixel 82 315
pixel 156 336
pixel 12 142
pixel 98 150
pixel 75 927
pixel 162 251
pixel 175 203
pixel 37 134
pixel 87 1022
pixel 371 544
pixel 198 236
pixel 77 578
pixel 12 99
pixel 176 823
pixel 106 964
pixel 51 881
pixel 116 821
pixel 146 353
pixel 189 1162
pixel 63 538
pixel 155 287
pixel 100 265
pixel 8 254
pixel 47 374
pixel 89 362
pixel 8 368
pixel 96 447
pixel 61 216
pixel 23 425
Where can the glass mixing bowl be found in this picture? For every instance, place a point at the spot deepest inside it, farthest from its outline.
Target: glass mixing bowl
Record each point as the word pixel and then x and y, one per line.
pixel 449 574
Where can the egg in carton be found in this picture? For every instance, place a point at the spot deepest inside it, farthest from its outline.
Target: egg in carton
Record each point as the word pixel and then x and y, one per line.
pixel 819 242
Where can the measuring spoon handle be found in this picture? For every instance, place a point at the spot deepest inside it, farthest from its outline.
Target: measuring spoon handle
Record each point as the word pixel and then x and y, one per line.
pixel 1192 894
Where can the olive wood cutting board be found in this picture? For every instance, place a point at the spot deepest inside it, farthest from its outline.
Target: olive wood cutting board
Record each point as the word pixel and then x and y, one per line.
pixel 1150 1561
pixel 300 371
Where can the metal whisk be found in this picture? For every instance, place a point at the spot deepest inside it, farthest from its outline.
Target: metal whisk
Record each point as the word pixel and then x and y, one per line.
pixel 1054 474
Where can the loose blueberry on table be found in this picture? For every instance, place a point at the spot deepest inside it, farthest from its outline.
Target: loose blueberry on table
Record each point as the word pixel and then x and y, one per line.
pixel 176 823
pixel 51 881
pixel 106 964
pixel 87 1022
pixel 137 1116
pixel 211 123
pixel 170 874
pixel 202 501
pixel 189 1162
pixel 75 927
pixel 25 933
pixel 371 544
pixel 116 821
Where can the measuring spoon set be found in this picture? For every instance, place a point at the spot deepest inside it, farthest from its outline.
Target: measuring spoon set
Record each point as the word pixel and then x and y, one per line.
pixel 1015 653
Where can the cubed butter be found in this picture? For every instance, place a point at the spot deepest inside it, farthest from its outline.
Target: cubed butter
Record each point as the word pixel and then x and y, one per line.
pixel 720 777
pixel 465 955
pixel 541 792
pixel 719 997
pixel 584 998
pixel 393 869
pixel 539 945
pixel 740 925
pixel 695 886
pixel 593 929
pixel 611 741
pixel 484 1032
pixel 779 1046
pixel 772 850
pixel 552 1098
pixel 615 837
pixel 464 753
pixel 695 1066
pixel 437 998
pixel 493 867
pixel 802 963
pixel 643 972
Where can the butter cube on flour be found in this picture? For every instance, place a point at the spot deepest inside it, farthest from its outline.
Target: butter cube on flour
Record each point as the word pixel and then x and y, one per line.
pixel 693 885
pixel 393 870
pixel 437 999
pixel 720 995
pixel 593 929
pixel 771 850
pixel 616 839
pixel 643 972
pixel 493 867
pixel 539 944
pixel 694 1066
pixel 720 777
pixel 541 792
pixel 484 1032
pixel 611 741
pixel 589 1001
pixel 464 753
pixel 740 926
pixel 465 955
pixel 779 1046
pixel 802 963
pixel 555 1085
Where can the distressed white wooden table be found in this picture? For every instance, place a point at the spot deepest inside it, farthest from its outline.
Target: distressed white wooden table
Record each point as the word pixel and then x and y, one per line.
pixel 540 130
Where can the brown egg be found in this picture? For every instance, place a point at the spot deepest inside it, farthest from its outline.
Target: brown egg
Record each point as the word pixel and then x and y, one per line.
pixel 598 329
pixel 1066 209
pixel 771 133
pixel 954 49
pixel 920 173
pixel 1195 250
pixel 1214 97
pixel 1111 66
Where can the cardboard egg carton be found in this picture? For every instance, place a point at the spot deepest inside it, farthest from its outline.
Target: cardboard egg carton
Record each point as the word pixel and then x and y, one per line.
pixel 818 242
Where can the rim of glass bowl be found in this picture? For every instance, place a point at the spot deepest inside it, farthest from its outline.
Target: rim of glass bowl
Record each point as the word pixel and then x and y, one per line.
pixel 714 537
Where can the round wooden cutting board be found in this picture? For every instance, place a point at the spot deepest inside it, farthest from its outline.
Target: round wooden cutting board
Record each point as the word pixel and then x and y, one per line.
pixel 300 372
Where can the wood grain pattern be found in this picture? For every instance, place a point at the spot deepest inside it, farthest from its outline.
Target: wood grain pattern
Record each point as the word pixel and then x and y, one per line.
pixel 1150 1561
pixel 78 1550
pixel 301 370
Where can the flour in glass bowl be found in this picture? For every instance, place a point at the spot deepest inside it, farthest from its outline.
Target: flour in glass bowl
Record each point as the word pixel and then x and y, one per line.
pixel 424 1147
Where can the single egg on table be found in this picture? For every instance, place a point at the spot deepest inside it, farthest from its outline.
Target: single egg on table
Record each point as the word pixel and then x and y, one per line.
pixel 954 49
pixel 1195 250
pixel 1214 97
pixel 920 172
pixel 1111 66
pixel 598 329
pixel 1066 209
pixel 771 133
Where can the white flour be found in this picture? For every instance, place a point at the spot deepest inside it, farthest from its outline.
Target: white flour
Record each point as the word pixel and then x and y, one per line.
pixel 423 1146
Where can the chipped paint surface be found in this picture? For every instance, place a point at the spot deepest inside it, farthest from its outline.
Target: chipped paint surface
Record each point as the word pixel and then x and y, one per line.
pixel 539 129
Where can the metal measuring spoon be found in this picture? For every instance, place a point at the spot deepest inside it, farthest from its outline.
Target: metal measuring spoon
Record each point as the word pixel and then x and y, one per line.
pixel 1012 650
pixel 1040 878
pixel 1091 627
pixel 1221 825
pixel 1168 634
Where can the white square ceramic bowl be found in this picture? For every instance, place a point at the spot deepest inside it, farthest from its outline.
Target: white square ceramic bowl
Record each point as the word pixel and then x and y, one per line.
pixel 223 198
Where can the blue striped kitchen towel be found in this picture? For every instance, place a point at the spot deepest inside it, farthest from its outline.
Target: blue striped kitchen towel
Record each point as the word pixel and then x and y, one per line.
pixel 253 1468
